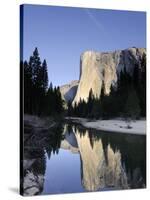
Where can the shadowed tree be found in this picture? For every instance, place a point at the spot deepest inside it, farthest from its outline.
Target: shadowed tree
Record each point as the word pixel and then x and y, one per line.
pixel 28 87
pixel 35 65
pixel 90 102
pixel 69 108
pixel 132 107
pixel 44 86
pixel 38 98
pixel 44 76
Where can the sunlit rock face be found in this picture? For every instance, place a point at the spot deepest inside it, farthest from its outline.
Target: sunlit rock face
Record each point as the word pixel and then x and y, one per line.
pixel 100 169
pixel 69 90
pixel 115 175
pixel 92 162
pixel 97 68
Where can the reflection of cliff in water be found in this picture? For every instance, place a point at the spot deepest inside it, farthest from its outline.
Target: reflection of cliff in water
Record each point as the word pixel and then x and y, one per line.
pixel 100 168
pixel 110 160
pixel 69 142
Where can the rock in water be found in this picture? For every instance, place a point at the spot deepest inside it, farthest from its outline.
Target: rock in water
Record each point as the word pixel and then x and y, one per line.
pixel 97 68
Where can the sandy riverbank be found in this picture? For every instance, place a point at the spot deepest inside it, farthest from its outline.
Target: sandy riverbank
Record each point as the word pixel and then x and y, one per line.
pixel 114 125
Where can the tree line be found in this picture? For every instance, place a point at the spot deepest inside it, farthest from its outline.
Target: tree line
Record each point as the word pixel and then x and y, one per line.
pixel 39 98
pixel 127 99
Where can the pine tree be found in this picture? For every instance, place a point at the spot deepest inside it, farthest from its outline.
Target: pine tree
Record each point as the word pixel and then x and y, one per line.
pixel 90 102
pixel 35 65
pixel 102 91
pixel 143 86
pixel 69 108
pixel 44 75
pixel 59 101
pixel 139 82
pixel 50 100
pixel 27 87
pixel 122 88
pixel 51 87
pixel 102 101
pixel 96 109
pixel 136 77
pixel 43 86
pixel 110 104
pixel 38 98
pixel 132 107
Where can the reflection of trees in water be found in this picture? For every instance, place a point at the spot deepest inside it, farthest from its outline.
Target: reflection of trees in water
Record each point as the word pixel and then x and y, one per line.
pixel 69 129
pixel 54 141
pixel 34 161
pixel 124 150
pixel 133 155
pixel 107 159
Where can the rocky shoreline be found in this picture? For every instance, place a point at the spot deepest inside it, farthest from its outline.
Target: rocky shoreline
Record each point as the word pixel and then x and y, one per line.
pixel 38 132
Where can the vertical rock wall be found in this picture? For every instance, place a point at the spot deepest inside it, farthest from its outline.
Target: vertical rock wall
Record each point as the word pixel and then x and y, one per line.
pixel 97 68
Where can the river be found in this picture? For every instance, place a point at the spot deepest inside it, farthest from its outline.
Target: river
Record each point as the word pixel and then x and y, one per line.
pixel 76 159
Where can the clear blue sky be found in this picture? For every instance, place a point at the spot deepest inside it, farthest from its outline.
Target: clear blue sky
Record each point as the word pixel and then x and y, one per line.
pixel 62 34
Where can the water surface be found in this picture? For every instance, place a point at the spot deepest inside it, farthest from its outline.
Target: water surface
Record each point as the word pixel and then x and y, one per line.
pixel 76 159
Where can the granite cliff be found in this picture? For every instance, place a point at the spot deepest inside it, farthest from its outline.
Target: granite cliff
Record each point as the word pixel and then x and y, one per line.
pixel 97 68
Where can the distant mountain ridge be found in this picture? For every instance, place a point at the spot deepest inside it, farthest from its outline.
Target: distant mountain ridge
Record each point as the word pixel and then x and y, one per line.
pixel 68 91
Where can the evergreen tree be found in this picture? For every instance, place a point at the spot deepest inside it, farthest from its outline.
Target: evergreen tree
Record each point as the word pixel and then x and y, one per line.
pixel 139 82
pixel 27 87
pixel 143 93
pixel 51 87
pixel 132 107
pixel 101 100
pixel 69 108
pixel 96 109
pixel 54 101
pixel 122 89
pixel 75 109
pixel 136 77
pixel 112 103
pixel 90 102
pixel 50 100
pixel 35 65
pixel 84 108
pixel 42 90
pixel 38 98
pixel 44 75
pixel 59 101
pixel 102 91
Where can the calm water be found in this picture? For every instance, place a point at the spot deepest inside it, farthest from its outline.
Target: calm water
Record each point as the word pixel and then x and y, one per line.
pixel 76 159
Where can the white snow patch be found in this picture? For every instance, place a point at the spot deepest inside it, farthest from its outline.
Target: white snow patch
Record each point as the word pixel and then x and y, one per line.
pixel 115 125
